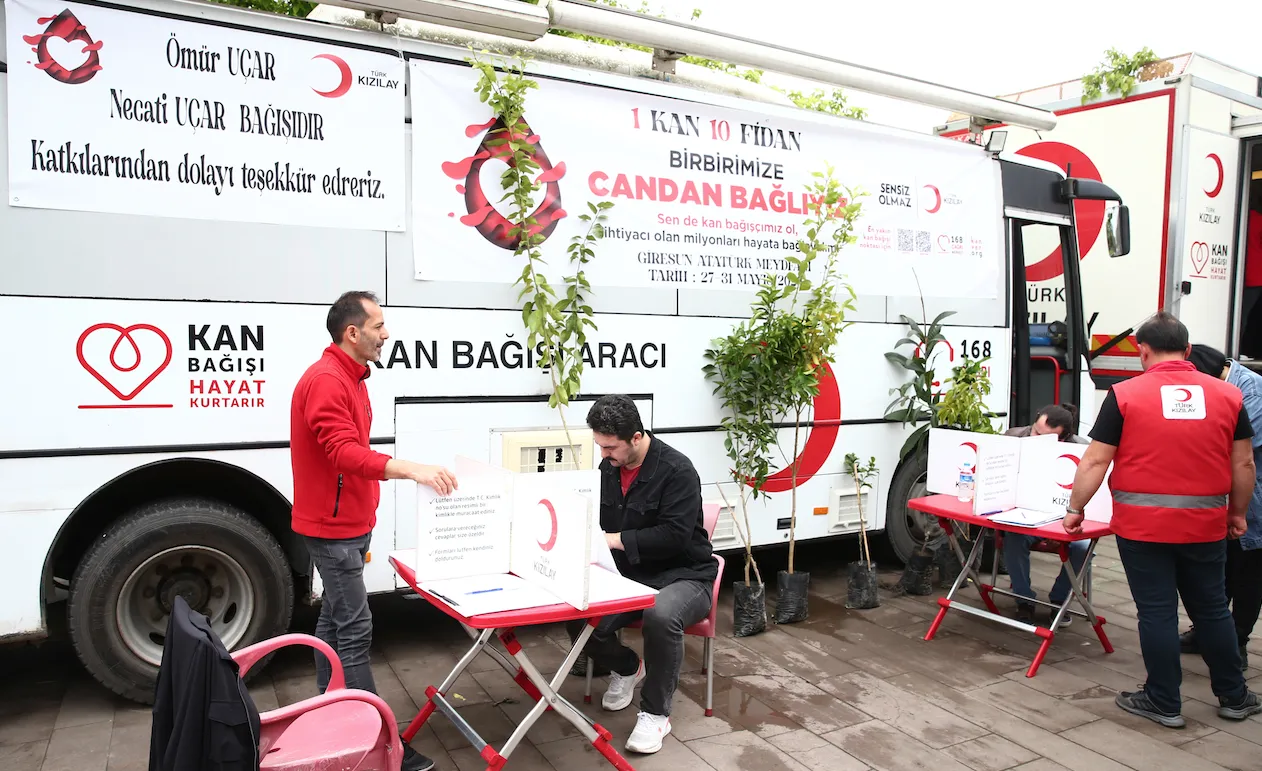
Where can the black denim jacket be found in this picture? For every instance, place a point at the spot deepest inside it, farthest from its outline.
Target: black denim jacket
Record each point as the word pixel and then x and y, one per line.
pixel 663 532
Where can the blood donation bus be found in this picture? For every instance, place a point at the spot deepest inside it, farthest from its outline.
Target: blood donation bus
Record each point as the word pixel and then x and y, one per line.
pixel 190 185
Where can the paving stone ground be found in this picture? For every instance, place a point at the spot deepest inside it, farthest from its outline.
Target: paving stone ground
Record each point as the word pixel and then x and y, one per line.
pixel 845 689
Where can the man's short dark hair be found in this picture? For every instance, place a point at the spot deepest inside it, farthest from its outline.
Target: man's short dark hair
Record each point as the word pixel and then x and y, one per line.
pixel 1062 416
pixel 615 415
pixel 348 310
pixel 1163 333
pixel 1208 360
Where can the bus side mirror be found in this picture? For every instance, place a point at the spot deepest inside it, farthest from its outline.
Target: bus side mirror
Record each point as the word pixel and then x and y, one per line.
pixel 1117 228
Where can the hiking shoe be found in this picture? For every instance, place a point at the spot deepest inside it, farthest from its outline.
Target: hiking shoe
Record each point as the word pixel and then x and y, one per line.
pixel 1250 705
pixel 621 689
pixel 649 732
pixel 1187 642
pixel 1065 621
pixel 415 761
pixel 1138 703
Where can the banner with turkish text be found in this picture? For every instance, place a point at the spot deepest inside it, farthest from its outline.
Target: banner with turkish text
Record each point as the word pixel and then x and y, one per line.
pixel 134 113
pixel 703 197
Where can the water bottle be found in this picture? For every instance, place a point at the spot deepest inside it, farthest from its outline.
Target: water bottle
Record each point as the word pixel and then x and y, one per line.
pixel 964 487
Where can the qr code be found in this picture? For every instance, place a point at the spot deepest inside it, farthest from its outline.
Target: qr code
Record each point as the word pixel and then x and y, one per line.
pixel 905 239
pixel 923 242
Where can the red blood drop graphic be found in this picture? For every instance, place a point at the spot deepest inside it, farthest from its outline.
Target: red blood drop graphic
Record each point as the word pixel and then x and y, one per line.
pixel 66 27
pixel 481 215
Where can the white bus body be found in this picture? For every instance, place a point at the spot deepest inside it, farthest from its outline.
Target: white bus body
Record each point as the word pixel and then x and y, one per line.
pixel 208 323
pixel 1181 149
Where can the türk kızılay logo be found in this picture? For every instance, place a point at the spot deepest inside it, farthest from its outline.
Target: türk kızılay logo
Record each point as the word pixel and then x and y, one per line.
pixel 481 209
pixel 1183 402
pixel 65 33
pixel 128 362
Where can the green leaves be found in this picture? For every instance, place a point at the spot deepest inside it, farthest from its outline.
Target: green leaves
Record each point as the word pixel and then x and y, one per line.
pixel 962 405
pixel 769 366
pixel 556 326
pixel 1116 74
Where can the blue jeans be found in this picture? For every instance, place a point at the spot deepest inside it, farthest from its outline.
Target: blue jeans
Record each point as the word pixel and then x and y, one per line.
pixel 1159 574
pixel 345 621
pixel 678 606
pixel 1016 555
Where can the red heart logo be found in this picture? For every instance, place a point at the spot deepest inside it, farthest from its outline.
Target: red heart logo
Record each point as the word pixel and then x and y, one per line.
pixel 1200 255
pixel 124 335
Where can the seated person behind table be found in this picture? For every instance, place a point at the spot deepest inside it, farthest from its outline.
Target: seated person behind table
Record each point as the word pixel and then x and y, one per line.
pixel 650 510
pixel 1062 420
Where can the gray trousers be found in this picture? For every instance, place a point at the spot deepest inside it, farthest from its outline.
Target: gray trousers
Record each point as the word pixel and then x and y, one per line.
pixel 677 607
pixel 345 621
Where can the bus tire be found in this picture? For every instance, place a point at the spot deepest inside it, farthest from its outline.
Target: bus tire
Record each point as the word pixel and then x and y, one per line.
pixel 902 528
pixel 225 564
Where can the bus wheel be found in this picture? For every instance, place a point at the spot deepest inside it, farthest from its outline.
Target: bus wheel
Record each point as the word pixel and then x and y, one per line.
pixel 225 564
pixel 904 526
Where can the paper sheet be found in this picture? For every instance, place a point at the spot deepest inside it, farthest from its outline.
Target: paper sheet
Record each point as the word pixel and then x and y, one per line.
pixel 601 555
pixel 477 595
pixel 1026 517
pixel 611 585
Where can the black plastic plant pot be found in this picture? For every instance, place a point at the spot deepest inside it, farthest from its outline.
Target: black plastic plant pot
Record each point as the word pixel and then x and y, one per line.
pixel 791 596
pixel 861 589
pixel 917 577
pixel 749 609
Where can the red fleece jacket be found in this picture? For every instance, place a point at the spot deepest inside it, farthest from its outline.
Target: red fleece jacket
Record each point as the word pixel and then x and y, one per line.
pixel 336 475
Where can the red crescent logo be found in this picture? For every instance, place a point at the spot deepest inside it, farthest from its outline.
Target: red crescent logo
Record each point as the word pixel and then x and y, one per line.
pixel 1075 459
pixel 1187 395
pixel 344 69
pixel 937 203
pixel 1218 186
pixel 819 443
pixel 552 539
pixel 1090 214
pixel 124 334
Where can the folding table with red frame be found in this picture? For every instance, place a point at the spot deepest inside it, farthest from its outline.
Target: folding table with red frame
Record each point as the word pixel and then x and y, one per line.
pixel 525 673
pixel 948 509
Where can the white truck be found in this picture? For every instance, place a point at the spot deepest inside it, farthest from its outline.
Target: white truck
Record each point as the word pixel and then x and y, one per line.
pixel 190 185
pixel 1183 149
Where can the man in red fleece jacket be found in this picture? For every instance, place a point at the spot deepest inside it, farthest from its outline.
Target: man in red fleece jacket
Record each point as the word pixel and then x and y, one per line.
pixel 337 485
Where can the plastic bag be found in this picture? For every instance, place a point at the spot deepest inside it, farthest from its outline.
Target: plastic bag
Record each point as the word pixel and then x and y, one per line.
pixel 861 590
pixel 917 577
pixel 749 609
pixel 791 596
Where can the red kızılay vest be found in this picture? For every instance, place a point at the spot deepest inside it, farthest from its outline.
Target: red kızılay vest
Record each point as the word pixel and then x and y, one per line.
pixel 1172 470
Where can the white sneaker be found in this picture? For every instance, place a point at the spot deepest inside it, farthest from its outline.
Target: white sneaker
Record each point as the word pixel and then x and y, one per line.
pixel 621 689
pixel 649 732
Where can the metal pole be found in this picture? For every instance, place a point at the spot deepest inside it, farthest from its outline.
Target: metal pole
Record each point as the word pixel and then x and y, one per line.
pixel 671 36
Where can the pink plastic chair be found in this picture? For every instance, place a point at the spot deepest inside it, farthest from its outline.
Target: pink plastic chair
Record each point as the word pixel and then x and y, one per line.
pixel 705 628
pixel 347 729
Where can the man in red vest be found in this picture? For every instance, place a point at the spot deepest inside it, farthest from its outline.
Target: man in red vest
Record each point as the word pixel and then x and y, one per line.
pixel 1183 474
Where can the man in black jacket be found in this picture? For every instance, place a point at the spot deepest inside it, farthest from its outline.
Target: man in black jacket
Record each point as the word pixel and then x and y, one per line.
pixel 650 510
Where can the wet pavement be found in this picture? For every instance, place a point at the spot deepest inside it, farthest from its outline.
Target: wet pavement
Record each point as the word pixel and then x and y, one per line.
pixel 845 689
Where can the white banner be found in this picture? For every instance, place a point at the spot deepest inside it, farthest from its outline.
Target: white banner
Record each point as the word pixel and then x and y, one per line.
pixel 132 113
pixel 704 197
